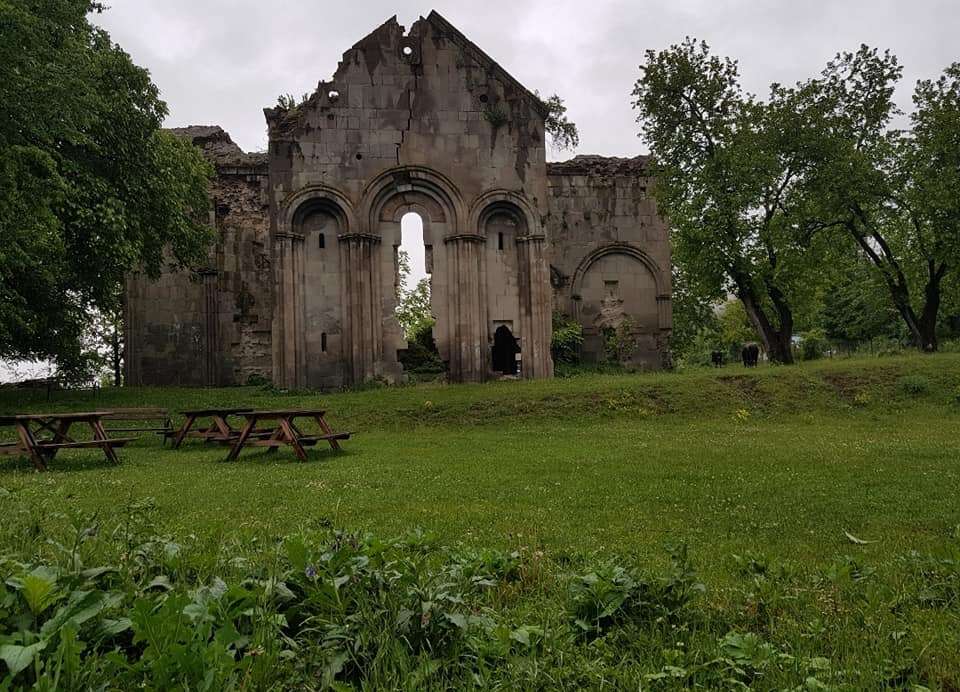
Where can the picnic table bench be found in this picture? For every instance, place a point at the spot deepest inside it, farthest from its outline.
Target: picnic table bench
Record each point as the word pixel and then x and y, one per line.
pixel 219 429
pixel 30 426
pixel 284 432
pixel 156 420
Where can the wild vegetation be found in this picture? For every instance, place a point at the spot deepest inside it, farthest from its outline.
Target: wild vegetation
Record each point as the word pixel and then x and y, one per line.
pixel 785 528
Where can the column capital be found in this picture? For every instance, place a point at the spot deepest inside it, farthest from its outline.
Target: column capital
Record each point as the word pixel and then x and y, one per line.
pixel 531 238
pixel 370 237
pixel 285 235
pixel 466 237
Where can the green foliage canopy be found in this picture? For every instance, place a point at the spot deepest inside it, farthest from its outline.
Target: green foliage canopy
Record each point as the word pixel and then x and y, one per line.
pixel 729 169
pixel 890 194
pixel 90 186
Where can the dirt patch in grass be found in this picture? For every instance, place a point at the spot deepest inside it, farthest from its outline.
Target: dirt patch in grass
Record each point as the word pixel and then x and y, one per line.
pixel 748 388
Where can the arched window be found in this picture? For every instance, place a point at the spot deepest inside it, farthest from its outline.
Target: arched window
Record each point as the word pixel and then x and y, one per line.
pixel 411 245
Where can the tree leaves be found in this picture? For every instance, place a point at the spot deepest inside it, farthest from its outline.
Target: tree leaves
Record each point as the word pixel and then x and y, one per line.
pixel 90 188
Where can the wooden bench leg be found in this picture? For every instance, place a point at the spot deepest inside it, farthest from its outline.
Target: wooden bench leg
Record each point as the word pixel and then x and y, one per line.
pixel 277 435
pixel 100 434
pixel 293 440
pixel 223 427
pixel 327 430
pixel 29 445
pixel 242 438
pixel 182 433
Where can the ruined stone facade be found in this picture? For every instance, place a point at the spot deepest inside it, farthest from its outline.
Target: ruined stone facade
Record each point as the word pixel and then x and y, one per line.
pixel 301 289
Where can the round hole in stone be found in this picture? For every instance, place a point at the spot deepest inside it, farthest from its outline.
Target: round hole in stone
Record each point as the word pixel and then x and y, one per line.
pixel 407 51
pixel 333 94
pixel 359 156
pixel 331 116
pixel 484 98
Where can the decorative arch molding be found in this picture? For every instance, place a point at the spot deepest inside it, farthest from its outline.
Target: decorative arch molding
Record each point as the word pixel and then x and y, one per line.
pixel 406 188
pixel 495 201
pixel 618 249
pixel 312 197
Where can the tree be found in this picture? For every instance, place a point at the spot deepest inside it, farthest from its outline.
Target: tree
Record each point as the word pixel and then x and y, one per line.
pixel 895 195
pixel 855 306
pixel 728 170
pixel 694 315
pixel 563 133
pixel 735 329
pixel 414 312
pixel 90 186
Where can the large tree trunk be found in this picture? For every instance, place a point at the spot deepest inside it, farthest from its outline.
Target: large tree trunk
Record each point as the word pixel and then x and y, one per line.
pixel 923 329
pixel 927 328
pixel 115 348
pixel 776 342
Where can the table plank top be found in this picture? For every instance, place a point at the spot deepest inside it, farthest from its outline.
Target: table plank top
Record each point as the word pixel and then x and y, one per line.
pixel 283 413
pixel 81 415
pixel 203 412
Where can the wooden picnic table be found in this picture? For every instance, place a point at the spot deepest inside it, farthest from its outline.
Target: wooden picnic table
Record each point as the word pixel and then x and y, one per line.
pixel 284 432
pixel 31 426
pixel 219 429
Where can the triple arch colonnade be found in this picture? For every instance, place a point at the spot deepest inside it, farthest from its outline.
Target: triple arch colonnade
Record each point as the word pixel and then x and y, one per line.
pixel 336 269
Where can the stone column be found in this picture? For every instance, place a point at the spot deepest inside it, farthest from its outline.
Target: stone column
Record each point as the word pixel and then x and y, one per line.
pixel 536 319
pixel 467 308
pixel 211 331
pixel 362 305
pixel 132 376
pixel 665 319
pixel 289 337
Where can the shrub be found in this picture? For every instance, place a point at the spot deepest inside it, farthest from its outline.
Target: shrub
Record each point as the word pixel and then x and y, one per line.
pixel 421 355
pixel 612 594
pixel 913 385
pixel 814 345
pixel 566 340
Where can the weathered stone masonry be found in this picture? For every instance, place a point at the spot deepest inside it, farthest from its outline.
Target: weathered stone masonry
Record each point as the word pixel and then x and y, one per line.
pixel 301 287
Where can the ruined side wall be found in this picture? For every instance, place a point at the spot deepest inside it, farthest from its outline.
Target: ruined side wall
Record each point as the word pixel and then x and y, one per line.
pixel 610 255
pixel 244 275
pixel 210 326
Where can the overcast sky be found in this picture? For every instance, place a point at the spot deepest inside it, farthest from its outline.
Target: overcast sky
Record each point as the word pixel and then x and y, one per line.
pixel 222 61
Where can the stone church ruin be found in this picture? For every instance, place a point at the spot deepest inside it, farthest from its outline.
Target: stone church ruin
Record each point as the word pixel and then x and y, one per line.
pixel 301 287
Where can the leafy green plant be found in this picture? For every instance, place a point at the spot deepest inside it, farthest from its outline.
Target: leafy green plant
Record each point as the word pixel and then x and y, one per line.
pixel 814 345
pixel 612 594
pixel 913 385
pixel 566 339
pixel 496 115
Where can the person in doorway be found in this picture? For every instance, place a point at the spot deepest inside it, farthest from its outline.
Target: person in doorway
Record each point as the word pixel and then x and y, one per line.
pixel 505 350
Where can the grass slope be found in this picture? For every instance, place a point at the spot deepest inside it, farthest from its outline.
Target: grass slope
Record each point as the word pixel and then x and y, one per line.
pixel 780 464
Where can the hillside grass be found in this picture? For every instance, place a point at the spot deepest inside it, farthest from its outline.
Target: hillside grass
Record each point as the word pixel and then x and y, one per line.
pixel 786 485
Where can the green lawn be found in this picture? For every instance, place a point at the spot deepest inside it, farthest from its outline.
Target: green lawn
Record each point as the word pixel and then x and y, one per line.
pixel 779 463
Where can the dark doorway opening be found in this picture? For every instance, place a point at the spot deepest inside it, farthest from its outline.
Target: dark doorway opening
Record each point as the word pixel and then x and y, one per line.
pixel 505 350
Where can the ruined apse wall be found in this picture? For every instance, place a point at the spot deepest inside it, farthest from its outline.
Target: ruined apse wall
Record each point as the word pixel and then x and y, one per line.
pixel 610 255
pixel 211 326
pixel 421 122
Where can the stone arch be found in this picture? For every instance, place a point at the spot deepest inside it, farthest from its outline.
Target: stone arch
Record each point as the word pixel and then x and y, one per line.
pixel 453 263
pixel 517 275
pixel 308 328
pixel 389 194
pixel 619 285
pixel 504 201
pixel 636 253
pixel 312 197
